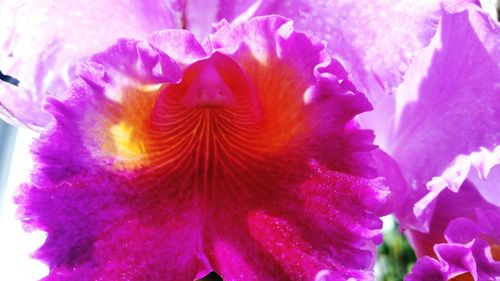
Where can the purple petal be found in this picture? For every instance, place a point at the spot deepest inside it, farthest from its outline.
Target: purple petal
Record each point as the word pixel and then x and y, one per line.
pixel 42 42
pixel 450 101
pixel 458 259
pixel 463 235
pixel 426 269
pixel 472 259
pixel 462 230
pixel 462 204
pixel 446 111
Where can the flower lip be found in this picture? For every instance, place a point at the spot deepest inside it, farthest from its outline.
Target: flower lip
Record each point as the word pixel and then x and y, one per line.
pixel 201 182
pixel 216 127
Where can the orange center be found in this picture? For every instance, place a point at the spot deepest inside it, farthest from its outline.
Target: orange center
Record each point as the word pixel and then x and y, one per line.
pixel 223 127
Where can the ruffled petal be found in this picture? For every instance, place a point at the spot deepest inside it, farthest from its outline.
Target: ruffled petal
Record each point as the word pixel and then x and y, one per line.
pixel 463 238
pixel 452 178
pixel 463 205
pixel 328 75
pixel 426 269
pixel 42 42
pixel 247 150
pixel 333 239
pixel 375 50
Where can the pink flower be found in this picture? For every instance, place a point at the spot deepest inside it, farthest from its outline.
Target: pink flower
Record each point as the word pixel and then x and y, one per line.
pixel 165 158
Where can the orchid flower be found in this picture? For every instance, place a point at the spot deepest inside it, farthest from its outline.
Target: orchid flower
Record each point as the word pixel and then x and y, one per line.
pixel 234 147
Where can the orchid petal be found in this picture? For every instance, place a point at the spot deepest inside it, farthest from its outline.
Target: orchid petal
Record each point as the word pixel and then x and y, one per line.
pixel 430 151
pixel 426 269
pixel 435 95
pixel 42 42
pixel 463 237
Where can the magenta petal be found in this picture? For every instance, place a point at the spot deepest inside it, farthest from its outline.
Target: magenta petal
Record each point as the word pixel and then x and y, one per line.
pixel 291 243
pixel 458 258
pixel 95 98
pixel 92 229
pixel 462 230
pixel 462 204
pixel 474 258
pixel 488 266
pixel 426 269
pixel 42 42
pixel 386 167
pixel 464 235
pixel 162 253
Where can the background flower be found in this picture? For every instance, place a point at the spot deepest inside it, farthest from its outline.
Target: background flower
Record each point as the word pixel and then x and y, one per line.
pixel 443 121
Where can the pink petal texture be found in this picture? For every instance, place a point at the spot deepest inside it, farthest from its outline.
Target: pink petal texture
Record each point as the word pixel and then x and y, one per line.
pixel 42 42
pixel 171 160
pixel 454 112
pixel 464 239
pixel 443 118
pixel 374 39
pixel 442 129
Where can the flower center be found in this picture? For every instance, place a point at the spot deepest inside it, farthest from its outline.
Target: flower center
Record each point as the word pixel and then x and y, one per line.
pixel 215 131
